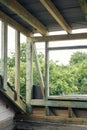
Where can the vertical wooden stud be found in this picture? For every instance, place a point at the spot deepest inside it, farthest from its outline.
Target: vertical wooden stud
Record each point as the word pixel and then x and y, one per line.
pixel 17 63
pixel 47 76
pixel 4 53
pixel 29 74
pixel 46 70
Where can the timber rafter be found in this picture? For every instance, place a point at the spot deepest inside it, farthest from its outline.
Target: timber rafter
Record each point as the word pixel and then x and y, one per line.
pixel 14 24
pixel 56 14
pixel 25 15
pixel 83 4
pixel 78 36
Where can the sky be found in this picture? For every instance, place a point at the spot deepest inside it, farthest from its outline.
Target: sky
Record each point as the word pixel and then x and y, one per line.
pixel 62 56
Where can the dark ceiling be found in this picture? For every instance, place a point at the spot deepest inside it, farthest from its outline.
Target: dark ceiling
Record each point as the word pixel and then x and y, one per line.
pixel 70 10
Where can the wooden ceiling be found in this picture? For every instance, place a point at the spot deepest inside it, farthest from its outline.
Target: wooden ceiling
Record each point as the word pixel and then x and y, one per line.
pixel 47 15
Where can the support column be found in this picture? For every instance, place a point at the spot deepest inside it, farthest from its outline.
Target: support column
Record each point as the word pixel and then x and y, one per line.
pixel 17 63
pixel 47 76
pixel 4 53
pixel 29 74
pixel 46 70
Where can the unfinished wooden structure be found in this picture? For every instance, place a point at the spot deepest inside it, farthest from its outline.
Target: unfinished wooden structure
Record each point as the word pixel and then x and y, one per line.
pixel 42 16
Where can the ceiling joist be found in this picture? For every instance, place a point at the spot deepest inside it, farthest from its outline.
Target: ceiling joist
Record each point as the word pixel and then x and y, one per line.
pixel 14 24
pixel 56 14
pixel 83 4
pixel 78 36
pixel 25 15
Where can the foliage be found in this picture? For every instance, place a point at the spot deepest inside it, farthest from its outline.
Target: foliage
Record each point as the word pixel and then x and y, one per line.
pixel 78 57
pixel 64 80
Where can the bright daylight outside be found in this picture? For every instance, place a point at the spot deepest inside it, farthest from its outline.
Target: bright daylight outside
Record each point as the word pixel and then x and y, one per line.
pixel 67 68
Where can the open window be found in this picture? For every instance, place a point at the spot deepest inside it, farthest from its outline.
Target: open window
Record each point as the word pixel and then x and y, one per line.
pixel 67 69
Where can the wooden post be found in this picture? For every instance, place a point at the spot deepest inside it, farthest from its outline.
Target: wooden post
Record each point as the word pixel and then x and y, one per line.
pixel 47 76
pixel 4 53
pixel 38 69
pixel 17 63
pixel 29 74
pixel 46 70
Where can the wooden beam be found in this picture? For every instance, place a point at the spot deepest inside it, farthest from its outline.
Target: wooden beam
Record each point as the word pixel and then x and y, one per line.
pixel 11 96
pixel 83 4
pixel 17 63
pixel 38 69
pixel 67 47
pixel 25 15
pixel 55 119
pixel 14 24
pixel 58 103
pixel 29 74
pixel 71 113
pixel 78 36
pixel 56 14
pixel 46 70
pixel 4 53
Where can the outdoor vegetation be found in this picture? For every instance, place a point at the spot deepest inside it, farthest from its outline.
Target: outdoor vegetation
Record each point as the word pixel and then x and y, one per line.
pixel 64 80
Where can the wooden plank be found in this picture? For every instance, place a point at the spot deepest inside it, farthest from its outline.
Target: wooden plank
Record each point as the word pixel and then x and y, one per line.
pixel 38 102
pixel 83 4
pixel 4 53
pixel 67 47
pixel 54 119
pixel 25 15
pixel 58 103
pixel 56 14
pixel 38 69
pixel 69 97
pixel 11 96
pixel 71 113
pixel 29 74
pixel 78 36
pixel 46 70
pixel 14 24
pixel 17 63
pixel 47 76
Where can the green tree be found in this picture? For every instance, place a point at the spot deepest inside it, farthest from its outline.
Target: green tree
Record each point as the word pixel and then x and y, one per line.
pixel 64 80
pixel 78 57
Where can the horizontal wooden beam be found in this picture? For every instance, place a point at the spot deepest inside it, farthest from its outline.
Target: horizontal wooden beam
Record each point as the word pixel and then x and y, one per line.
pixel 69 97
pixel 14 24
pixel 56 14
pixel 68 47
pixel 54 119
pixel 56 103
pixel 60 37
pixel 83 4
pixel 25 15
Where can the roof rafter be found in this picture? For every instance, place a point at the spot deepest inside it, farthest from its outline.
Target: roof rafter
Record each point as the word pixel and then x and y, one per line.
pixel 56 14
pixel 14 24
pixel 25 15
pixel 83 4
